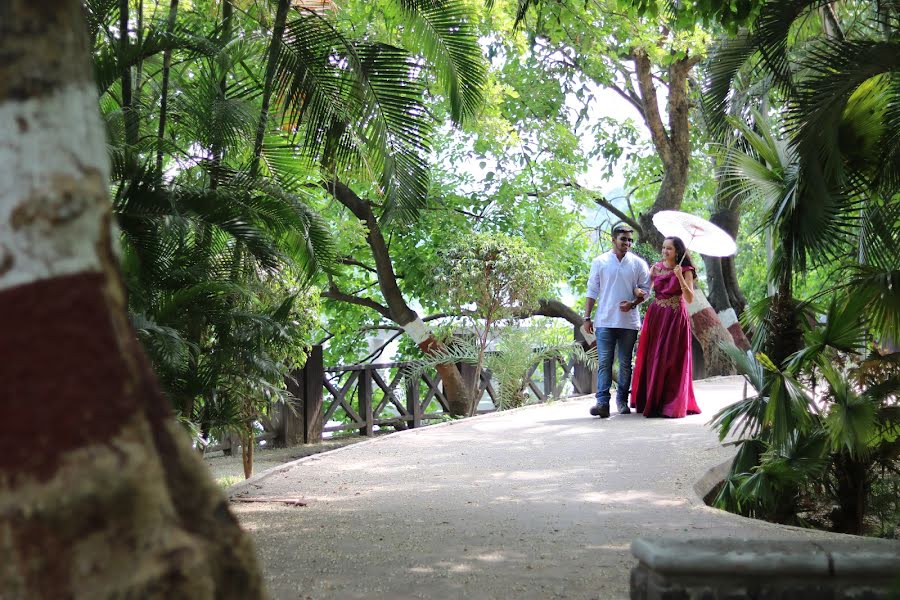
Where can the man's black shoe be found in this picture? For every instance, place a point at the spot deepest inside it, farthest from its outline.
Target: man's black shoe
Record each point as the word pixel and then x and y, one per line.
pixel 624 410
pixel 600 410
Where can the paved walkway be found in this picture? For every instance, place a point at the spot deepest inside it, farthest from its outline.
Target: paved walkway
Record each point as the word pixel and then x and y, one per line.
pixel 540 502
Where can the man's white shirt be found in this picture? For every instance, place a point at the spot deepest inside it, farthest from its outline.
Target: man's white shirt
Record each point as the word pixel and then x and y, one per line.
pixel 612 281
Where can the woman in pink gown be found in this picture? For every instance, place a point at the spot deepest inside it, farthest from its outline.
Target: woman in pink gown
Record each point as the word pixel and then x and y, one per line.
pixel 661 386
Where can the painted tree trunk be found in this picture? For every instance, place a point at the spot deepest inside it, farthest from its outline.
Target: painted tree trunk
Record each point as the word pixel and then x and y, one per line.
pixel 101 494
pixel 460 399
pixel 710 332
pixel 720 302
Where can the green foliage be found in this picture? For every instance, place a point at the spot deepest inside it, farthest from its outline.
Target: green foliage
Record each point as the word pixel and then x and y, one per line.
pixel 517 352
pixel 825 435
pixel 219 193
pixel 512 359
pixel 682 14
pixel 491 276
pixel 217 259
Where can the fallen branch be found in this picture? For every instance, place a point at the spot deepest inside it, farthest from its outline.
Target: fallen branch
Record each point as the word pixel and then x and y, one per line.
pixel 288 501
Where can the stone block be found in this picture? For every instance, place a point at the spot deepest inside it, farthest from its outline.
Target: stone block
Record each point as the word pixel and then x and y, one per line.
pixel 759 569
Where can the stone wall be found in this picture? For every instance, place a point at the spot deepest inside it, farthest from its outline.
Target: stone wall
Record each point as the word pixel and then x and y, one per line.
pixel 735 569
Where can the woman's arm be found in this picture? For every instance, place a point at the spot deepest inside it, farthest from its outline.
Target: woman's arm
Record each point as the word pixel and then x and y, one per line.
pixel 686 281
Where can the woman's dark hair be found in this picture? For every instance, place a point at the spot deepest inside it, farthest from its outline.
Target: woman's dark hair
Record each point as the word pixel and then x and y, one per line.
pixel 680 250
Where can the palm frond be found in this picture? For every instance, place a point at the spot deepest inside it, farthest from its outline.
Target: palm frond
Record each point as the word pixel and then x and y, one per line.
pixel 443 32
pixel 165 345
pixel 771 35
pixel 110 61
pixel 788 410
pixel 742 418
pixel 460 350
pixel 355 96
pixel 723 68
pixel 852 419
pixel 844 330
pixel 836 69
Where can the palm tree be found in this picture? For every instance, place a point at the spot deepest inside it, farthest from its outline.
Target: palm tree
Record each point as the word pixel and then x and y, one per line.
pixel 828 182
pixel 836 161
pixel 237 146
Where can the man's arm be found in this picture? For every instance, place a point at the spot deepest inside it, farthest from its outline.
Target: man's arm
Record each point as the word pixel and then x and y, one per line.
pixel 642 289
pixel 593 290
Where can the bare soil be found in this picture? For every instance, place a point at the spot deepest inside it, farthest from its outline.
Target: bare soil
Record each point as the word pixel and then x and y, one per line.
pixel 228 469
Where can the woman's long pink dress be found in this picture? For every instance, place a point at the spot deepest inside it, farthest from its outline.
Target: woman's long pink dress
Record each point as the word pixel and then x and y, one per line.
pixel 661 385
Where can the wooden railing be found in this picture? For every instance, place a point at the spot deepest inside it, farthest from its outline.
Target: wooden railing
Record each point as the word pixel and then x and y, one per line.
pixel 363 397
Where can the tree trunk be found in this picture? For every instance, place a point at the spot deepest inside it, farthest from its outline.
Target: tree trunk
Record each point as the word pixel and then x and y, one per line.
pixel 784 335
pixel 735 295
pixel 672 144
pixel 724 288
pixel 164 93
pixel 720 301
pixel 459 397
pixel 249 443
pixel 129 113
pixel 852 490
pixel 669 197
pixel 710 333
pixel 101 495
pixel 218 144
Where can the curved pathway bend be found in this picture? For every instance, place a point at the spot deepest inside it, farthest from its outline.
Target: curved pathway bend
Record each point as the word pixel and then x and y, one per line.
pixel 541 502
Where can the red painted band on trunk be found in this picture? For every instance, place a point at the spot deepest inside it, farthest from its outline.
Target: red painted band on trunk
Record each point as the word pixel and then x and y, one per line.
pixel 65 382
pixel 704 319
pixel 737 334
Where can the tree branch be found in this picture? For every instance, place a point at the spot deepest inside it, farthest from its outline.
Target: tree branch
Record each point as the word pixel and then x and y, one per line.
pixel 632 99
pixel 651 106
pixel 551 307
pixel 397 309
pixel 601 200
pixel 346 260
pixel 380 349
pixel 335 294
pixel 398 328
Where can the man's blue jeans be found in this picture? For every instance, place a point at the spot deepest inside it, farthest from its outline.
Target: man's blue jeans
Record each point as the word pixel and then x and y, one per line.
pixel 608 338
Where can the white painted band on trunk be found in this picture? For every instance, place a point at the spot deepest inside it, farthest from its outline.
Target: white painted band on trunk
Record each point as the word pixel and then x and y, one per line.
pixel 700 302
pixel 54 173
pixel 728 317
pixel 417 330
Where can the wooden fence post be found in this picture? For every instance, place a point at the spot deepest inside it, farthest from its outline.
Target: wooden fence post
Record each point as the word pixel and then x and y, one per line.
pixel 313 382
pixel 413 402
pixel 365 402
pixel 584 380
pixel 549 378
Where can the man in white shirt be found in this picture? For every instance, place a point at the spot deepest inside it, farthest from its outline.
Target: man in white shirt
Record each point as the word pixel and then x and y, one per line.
pixel 619 281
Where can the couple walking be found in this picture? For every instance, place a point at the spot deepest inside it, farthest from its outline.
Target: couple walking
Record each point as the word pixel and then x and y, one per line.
pixel 619 281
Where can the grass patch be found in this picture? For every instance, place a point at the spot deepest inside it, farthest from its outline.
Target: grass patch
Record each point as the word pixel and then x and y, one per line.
pixel 228 480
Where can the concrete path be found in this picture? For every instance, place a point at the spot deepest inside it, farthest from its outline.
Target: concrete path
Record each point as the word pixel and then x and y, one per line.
pixel 540 502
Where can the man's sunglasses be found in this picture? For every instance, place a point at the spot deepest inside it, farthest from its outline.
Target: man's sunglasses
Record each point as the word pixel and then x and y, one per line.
pixel 625 239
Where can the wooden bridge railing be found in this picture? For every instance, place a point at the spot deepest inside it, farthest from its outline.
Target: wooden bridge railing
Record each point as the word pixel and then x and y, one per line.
pixel 361 397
